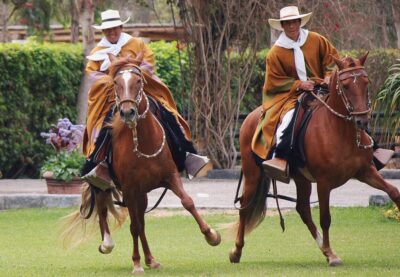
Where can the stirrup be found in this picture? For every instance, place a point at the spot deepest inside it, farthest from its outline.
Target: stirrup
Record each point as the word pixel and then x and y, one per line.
pixel 196 165
pixel 382 157
pixel 102 180
pixel 274 172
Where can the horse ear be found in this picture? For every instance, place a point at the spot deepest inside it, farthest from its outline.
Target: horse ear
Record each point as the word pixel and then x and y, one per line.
pixel 363 58
pixel 112 57
pixel 338 62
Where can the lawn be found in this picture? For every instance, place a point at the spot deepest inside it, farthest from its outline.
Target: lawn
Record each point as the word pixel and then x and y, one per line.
pixel 367 242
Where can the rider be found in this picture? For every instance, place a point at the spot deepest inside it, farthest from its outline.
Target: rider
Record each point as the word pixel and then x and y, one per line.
pixel 101 98
pixel 298 57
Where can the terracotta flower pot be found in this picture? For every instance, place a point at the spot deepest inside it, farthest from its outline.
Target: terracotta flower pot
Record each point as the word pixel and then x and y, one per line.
pixel 61 187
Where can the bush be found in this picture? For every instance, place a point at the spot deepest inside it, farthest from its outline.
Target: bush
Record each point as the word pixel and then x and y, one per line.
pixel 39 83
pixel 168 70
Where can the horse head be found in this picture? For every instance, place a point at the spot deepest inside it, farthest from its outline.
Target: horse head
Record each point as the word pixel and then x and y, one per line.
pixel 352 86
pixel 128 85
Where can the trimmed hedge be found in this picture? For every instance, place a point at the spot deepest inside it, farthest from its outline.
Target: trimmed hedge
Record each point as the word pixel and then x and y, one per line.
pixel 40 82
pixel 38 85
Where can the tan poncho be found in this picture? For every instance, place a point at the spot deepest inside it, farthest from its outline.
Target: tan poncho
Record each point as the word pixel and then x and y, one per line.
pixel 101 95
pixel 281 83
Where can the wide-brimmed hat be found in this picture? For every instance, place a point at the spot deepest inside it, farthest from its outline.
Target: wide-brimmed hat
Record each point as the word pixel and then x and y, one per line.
pixel 110 19
pixel 289 13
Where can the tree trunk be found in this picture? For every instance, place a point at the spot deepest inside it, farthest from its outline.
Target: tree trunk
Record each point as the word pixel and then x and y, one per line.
pixel 87 18
pixel 384 29
pixel 4 25
pixel 274 36
pixel 74 21
pixel 396 19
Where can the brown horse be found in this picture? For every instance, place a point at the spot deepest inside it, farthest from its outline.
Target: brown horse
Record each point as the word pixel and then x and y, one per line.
pixel 141 161
pixel 336 124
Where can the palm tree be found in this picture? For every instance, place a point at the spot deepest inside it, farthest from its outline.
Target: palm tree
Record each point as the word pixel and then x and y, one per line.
pixel 387 102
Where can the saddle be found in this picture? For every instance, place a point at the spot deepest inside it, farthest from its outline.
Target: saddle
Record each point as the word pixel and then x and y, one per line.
pixel 304 109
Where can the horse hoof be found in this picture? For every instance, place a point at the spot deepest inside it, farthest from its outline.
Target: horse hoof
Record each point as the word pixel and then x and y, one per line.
pixel 233 257
pixel 105 250
pixel 153 264
pixel 137 270
pixel 213 237
pixel 335 261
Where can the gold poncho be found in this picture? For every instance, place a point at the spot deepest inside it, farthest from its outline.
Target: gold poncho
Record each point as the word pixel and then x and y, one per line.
pixel 101 95
pixel 281 83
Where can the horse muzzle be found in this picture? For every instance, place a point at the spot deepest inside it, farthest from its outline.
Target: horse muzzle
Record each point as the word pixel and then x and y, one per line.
pixel 129 115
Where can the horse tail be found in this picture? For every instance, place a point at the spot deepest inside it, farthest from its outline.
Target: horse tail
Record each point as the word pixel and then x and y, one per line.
pixel 254 212
pixel 75 229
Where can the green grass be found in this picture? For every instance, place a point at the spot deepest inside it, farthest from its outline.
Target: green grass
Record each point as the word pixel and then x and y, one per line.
pixel 367 242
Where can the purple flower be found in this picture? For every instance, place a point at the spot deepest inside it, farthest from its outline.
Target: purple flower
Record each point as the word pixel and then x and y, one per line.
pixel 64 136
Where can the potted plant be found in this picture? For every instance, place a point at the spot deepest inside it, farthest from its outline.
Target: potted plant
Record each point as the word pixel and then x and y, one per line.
pixel 62 169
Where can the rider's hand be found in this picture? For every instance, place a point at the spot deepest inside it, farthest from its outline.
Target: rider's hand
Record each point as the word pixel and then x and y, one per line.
pixel 139 58
pixel 307 85
pixel 327 79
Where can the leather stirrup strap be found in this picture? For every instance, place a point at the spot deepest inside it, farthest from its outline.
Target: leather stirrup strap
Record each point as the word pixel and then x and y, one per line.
pixel 282 221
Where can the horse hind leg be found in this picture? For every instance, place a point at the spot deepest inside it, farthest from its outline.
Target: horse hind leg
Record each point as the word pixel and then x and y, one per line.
pixel 252 207
pixel 212 237
pixel 103 198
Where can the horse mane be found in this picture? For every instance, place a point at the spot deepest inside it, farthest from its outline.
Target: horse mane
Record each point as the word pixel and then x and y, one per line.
pixel 116 125
pixel 349 61
pixel 119 63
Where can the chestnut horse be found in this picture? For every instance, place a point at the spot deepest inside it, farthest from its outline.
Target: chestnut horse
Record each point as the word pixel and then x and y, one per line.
pixel 336 124
pixel 141 162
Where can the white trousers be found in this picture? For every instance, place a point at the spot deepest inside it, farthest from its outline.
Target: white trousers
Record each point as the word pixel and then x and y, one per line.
pixel 285 122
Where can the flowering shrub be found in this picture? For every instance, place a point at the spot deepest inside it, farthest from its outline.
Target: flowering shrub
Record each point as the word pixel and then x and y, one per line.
pixel 393 213
pixel 68 160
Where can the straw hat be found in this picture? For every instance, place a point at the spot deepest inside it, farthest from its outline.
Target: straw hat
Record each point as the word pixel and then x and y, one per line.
pixel 110 19
pixel 289 13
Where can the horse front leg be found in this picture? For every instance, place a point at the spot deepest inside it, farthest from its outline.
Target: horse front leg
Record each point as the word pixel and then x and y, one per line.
pixel 148 257
pixel 136 227
pixel 103 198
pixel 375 180
pixel 303 187
pixel 176 186
pixel 325 222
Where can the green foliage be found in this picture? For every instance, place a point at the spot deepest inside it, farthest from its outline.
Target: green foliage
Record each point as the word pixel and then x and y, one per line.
pixel 388 102
pixel 39 84
pixel 168 70
pixel 64 165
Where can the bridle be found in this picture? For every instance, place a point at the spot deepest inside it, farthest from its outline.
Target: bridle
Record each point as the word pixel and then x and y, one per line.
pixel 136 102
pixel 135 70
pixel 342 75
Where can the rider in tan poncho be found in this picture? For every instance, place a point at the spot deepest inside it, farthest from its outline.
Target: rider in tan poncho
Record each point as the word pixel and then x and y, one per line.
pixel 102 97
pixel 297 58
